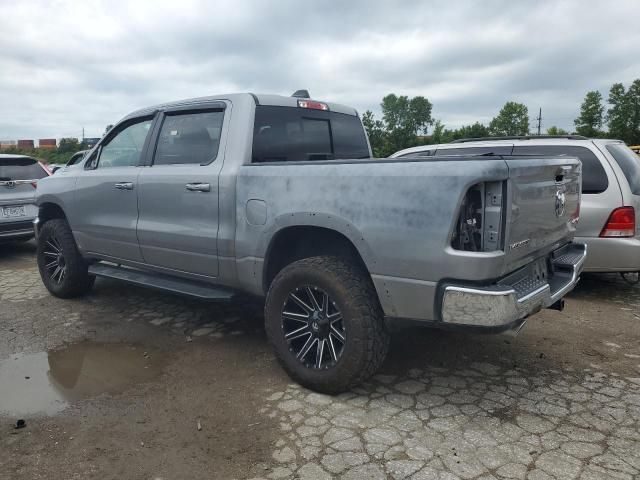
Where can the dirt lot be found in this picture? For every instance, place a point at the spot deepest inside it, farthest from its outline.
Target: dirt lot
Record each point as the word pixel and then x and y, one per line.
pixel 128 383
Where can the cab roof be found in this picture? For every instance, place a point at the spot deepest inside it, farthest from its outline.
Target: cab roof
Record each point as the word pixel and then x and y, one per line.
pixel 259 99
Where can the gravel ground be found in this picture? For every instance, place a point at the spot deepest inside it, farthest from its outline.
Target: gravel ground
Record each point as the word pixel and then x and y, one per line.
pixel 131 383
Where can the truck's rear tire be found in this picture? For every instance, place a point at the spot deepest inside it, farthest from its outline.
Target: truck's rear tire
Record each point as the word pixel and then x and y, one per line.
pixel 62 268
pixel 325 322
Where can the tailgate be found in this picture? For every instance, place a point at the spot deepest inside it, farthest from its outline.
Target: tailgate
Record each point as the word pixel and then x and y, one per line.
pixel 15 192
pixel 544 194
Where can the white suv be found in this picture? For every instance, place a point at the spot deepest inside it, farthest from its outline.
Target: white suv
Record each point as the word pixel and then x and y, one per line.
pixel 610 190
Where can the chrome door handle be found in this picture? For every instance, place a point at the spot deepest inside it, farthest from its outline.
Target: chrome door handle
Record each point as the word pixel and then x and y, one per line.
pixel 198 187
pixel 124 186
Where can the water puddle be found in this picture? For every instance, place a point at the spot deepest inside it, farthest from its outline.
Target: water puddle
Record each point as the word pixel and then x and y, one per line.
pixel 47 382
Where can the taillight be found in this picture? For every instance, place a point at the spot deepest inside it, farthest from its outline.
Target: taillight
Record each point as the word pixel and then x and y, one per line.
pixel 621 223
pixel 312 104
pixel 479 224
pixel 34 184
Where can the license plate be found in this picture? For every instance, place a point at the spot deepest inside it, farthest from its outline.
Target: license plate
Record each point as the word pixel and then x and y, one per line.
pixel 11 212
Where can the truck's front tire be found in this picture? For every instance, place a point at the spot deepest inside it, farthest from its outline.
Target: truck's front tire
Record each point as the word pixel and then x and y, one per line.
pixel 323 317
pixel 62 268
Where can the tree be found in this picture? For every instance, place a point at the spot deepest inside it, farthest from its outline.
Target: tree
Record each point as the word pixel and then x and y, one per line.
pixel 404 119
pixel 617 113
pixel 591 115
pixel 633 100
pixel 376 132
pixel 513 119
pixel 553 130
pixel 438 135
pixel 477 130
pixel 623 115
pixel 69 145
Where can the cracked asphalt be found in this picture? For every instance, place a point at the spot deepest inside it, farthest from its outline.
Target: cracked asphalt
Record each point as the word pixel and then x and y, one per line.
pixel 561 400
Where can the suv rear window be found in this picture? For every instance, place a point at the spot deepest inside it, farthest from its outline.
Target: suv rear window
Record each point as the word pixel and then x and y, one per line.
pixel 594 178
pixel 20 169
pixel 289 134
pixel 629 163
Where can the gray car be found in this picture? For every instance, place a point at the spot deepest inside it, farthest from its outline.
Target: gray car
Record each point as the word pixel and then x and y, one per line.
pixel 279 197
pixel 19 176
pixel 610 190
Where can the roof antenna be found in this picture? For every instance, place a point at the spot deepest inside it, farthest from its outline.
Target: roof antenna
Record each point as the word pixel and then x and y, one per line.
pixel 301 94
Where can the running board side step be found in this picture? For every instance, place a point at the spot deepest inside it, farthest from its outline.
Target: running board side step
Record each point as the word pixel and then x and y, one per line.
pixel 162 282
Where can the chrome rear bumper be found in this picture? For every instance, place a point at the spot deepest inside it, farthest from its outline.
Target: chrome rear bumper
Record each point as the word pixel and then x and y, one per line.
pixel 518 295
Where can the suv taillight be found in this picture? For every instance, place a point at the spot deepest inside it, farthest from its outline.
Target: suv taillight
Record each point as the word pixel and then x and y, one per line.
pixel 621 223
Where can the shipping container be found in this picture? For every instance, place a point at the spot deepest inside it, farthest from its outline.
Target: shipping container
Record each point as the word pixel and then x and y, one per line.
pixel 48 143
pixel 25 144
pixel 5 144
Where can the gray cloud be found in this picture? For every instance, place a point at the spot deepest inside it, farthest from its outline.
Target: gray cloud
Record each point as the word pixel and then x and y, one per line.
pixel 68 64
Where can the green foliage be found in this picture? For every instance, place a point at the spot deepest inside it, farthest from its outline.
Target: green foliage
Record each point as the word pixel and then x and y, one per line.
pixel 634 106
pixel 591 115
pixel 67 145
pixel 623 116
pixel 377 134
pixel 477 130
pixel 513 119
pixel 557 131
pixel 404 119
pixel 439 132
pixel 45 155
pixel 60 155
pixel 445 135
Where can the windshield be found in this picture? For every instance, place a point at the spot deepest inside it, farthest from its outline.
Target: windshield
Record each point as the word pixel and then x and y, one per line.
pixel 20 169
pixel 629 163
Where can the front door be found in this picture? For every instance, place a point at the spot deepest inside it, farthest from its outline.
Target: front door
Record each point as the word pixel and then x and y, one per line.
pixel 178 194
pixel 105 209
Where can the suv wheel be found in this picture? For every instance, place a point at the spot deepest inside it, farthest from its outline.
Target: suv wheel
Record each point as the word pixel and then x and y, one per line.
pixel 323 317
pixel 62 268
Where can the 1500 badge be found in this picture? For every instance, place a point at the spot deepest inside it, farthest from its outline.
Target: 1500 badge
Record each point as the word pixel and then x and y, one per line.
pixel 519 244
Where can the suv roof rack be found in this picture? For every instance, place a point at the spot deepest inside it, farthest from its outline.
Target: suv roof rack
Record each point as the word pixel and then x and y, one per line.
pixel 520 137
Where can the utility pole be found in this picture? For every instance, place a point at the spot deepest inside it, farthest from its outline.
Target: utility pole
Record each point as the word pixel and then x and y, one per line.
pixel 539 119
pixel 83 135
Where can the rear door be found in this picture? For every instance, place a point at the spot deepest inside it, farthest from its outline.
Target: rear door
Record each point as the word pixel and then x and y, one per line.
pixel 599 195
pixel 18 178
pixel 105 210
pixel 179 193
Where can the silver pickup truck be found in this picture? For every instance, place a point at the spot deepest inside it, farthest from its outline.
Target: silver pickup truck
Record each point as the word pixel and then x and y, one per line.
pixel 279 197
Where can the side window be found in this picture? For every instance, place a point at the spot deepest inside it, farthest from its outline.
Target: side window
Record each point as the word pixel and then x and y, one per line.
pixel 348 137
pixel 594 178
pixel 125 148
pixel 483 150
pixel 629 163
pixel 189 138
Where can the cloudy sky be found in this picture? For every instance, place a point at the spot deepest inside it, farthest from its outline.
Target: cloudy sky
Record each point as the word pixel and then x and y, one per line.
pixel 65 65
